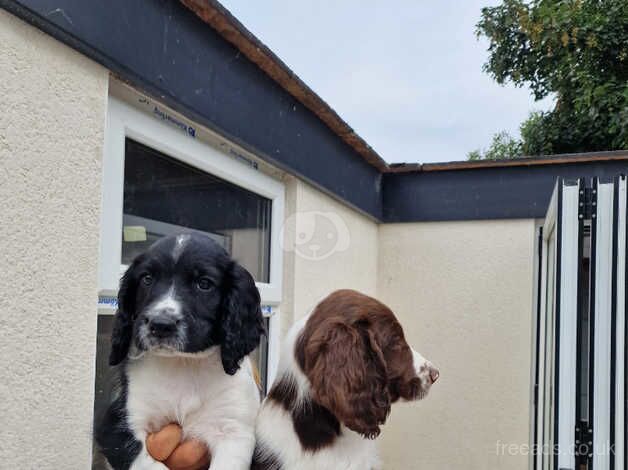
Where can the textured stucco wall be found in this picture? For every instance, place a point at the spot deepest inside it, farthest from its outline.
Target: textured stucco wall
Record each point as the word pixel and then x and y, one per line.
pixel 463 292
pixel 51 134
pixel 327 246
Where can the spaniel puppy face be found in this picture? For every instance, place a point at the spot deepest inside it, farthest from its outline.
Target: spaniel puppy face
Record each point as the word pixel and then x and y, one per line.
pixel 355 355
pixel 183 296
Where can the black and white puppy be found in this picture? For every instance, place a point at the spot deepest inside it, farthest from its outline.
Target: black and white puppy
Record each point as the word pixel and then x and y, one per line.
pixel 188 316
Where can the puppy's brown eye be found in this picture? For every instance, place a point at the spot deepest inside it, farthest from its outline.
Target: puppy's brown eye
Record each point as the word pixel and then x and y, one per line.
pixel 147 279
pixel 204 283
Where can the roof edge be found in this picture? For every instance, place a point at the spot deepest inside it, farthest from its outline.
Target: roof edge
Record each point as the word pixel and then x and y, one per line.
pixel 521 161
pixel 228 26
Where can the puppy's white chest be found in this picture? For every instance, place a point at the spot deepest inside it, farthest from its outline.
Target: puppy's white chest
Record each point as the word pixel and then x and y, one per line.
pixel 164 390
pixel 195 393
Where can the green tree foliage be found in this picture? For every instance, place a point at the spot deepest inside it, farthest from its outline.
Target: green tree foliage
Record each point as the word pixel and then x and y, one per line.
pixel 503 146
pixel 575 50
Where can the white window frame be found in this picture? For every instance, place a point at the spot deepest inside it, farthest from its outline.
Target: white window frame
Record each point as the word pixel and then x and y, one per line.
pixel 620 327
pixel 558 302
pixel 124 120
pixel 603 325
pixel 568 332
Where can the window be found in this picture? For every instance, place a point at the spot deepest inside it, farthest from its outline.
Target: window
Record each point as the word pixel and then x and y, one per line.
pixel 163 196
pixel 159 178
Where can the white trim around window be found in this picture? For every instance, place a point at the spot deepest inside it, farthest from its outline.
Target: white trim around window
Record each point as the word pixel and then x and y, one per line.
pixel 124 120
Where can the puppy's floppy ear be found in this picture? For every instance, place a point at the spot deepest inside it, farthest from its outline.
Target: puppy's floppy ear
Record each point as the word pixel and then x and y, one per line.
pixel 242 322
pixel 347 370
pixel 123 322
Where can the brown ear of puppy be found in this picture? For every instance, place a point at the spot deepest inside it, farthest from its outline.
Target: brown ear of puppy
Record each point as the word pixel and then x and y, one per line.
pixel 348 374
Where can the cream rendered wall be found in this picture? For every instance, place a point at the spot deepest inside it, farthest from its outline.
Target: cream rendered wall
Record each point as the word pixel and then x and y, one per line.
pixel 327 246
pixel 51 136
pixel 463 292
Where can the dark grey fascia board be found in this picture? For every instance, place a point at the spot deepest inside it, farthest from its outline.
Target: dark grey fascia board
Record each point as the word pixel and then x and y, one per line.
pixel 486 193
pixel 166 51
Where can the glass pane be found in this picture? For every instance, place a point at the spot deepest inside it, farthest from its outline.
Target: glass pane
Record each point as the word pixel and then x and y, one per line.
pixel 104 381
pixel 163 196
pixel 585 326
pixel 548 431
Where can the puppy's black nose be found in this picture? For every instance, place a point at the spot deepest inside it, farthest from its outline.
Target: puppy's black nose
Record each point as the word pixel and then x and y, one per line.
pixel 162 327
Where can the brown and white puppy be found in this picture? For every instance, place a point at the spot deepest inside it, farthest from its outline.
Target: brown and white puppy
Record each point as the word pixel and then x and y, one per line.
pixel 341 369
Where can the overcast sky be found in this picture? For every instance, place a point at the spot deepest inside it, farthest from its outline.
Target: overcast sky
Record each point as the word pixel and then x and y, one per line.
pixel 406 75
